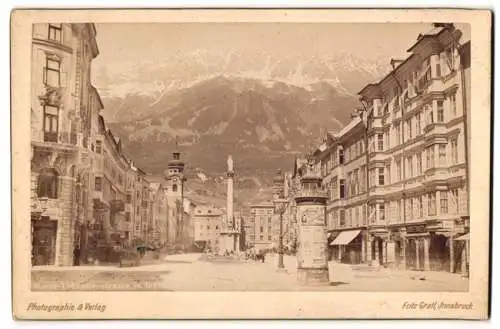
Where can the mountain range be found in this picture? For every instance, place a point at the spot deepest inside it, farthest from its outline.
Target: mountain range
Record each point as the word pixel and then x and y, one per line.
pixel 262 111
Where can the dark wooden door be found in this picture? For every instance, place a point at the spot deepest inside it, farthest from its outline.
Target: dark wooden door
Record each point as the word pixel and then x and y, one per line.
pixel 44 242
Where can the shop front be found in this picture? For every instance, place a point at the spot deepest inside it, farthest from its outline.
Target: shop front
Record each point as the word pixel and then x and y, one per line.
pixel 347 247
pixel 434 246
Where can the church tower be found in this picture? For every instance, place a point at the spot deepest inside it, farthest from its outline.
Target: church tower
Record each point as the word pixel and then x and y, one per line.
pixel 175 180
pixel 175 176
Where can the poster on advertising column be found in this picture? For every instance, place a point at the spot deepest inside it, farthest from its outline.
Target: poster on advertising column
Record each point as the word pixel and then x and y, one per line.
pixel 313 246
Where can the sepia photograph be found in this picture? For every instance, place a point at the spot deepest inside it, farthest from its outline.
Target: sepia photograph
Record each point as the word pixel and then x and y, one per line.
pixel 251 156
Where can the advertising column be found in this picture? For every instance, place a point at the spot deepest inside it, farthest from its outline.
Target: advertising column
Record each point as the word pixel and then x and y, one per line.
pixel 312 262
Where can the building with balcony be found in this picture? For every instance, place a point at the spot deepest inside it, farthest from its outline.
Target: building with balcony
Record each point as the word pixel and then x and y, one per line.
pixel 61 113
pixel 397 173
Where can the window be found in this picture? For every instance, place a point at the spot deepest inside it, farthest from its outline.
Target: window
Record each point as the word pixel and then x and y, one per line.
pixel 334 188
pixel 454 151
pixel 349 185
pixel 418 130
pixel 420 206
pixel 98 184
pixel 449 59
pixel 361 178
pixel 269 237
pixel 342 218
pixel 356 216
pixel 398 134
pixel 409 128
pixel 380 142
pixel 127 216
pixel 381 212
pixel 50 123
pixel 398 169
pixel 174 188
pixel 356 181
pixel 440 111
pixel 442 154
pixel 98 146
pixel 55 32
pixel 129 198
pixel 438 69
pixel 409 162
pixel 444 202
pixel 387 140
pixel 381 176
pixel 419 163
pixel 342 188
pixel 52 72
pixel 47 183
pixel 431 203
pixel 373 213
pixel 454 195
pixel 388 173
pixel 453 105
pixel 430 157
pixel 430 116
pixel 341 156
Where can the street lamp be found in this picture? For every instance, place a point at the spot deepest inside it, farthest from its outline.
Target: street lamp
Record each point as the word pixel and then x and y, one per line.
pixel 280 208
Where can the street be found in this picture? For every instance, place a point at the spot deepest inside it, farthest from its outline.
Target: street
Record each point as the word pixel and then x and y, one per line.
pixel 186 272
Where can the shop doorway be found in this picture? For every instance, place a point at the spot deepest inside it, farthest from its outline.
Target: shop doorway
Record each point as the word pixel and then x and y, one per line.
pixel 439 253
pixel 411 253
pixel 44 232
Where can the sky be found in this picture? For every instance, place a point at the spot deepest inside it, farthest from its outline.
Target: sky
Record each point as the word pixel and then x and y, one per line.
pixel 122 43
pixel 129 51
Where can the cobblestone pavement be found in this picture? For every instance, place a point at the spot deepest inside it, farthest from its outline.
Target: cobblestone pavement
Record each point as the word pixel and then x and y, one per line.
pixel 187 272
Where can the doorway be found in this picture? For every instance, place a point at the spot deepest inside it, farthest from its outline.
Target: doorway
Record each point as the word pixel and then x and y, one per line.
pixel 43 250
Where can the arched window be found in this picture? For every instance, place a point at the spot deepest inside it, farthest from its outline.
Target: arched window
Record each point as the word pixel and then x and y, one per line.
pixel 174 188
pixel 47 183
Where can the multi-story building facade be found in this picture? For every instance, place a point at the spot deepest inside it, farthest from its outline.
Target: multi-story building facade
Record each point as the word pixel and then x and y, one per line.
pixel 87 197
pixel 265 232
pixel 397 173
pixel 60 130
pixel 343 160
pixel 207 222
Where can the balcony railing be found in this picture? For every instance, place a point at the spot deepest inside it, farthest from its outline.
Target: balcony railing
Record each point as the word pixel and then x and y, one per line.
pixel 55 137
pixel 50 137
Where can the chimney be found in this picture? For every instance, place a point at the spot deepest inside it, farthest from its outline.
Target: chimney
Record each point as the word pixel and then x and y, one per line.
pixel 396 62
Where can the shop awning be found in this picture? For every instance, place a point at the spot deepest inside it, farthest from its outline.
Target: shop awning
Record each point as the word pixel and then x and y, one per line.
pixel 345 237
pixel 463 237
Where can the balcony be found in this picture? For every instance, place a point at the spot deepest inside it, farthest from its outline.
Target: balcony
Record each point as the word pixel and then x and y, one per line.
pixel 63 141
pixel 435 129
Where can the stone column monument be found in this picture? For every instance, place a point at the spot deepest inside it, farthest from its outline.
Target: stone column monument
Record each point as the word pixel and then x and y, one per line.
pixel 229 234
pixel 312 262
